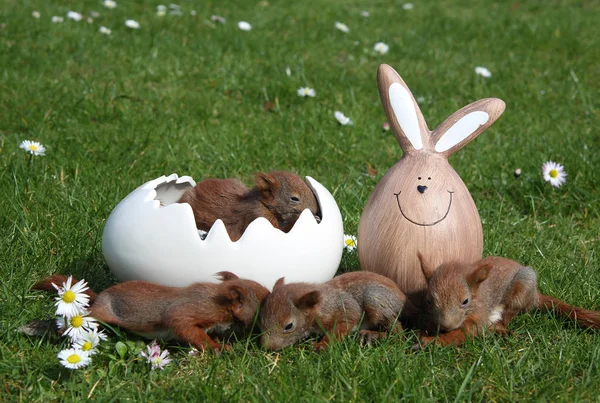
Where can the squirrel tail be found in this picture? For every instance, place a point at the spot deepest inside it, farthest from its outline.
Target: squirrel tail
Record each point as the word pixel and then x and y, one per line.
pixel 58 279
pixel 584 317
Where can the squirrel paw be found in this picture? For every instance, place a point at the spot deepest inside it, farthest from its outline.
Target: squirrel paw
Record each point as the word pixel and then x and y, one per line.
pixel 367 337
pixel 502 331
pixel 219 348
pixel 423 342
pixel 320 345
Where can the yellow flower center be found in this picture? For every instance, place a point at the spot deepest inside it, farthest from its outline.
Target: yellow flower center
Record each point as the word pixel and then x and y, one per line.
pixel 350 242
pixel 73 359
pixel 33 147
pixel 69 296
pixel 553 173
pixel 87 346
pixel 76 321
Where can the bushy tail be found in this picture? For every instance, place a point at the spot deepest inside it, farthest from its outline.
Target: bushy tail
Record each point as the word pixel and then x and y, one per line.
pixel 59 279
pixel 583 317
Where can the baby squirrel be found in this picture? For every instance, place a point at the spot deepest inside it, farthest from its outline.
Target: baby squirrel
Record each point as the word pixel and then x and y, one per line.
pixel 278 196
pixel 463 299
pixel 188 313
pixel 296 310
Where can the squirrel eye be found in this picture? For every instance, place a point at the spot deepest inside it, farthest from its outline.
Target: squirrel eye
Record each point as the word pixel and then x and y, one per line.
pixel 294 199
pixel 288 327
pixel 465 302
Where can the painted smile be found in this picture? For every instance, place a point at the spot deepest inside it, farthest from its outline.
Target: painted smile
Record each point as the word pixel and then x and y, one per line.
pixel 424 224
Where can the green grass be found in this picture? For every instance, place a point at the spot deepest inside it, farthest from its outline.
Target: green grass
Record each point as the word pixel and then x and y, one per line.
pixel 184 95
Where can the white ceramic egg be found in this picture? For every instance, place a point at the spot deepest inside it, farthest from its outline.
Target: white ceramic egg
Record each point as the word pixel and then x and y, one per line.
pixel 150 236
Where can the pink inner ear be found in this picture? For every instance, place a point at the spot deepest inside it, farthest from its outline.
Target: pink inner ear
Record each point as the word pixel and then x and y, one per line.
pixel 406 114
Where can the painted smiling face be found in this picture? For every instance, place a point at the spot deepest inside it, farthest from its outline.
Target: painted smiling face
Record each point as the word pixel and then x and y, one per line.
pixel 421 204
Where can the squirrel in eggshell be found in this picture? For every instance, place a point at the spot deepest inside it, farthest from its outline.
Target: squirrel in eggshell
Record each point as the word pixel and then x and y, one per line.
pixel 279 196
pixel 294 311
pixel 188 314
pixel 463 299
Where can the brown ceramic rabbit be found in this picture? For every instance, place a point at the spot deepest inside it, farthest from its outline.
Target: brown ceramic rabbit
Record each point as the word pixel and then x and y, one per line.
pixel 421 204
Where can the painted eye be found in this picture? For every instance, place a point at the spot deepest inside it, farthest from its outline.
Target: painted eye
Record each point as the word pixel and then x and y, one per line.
pixel 419 178
pixel 465 302
pixel 295 199
pixel 429 178
pixel 289 327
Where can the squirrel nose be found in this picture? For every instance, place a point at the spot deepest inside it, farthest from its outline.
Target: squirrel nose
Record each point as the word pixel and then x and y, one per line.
pixel 421 188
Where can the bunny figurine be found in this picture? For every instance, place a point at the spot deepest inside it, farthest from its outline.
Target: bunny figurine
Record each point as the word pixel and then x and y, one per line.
pixel 421 205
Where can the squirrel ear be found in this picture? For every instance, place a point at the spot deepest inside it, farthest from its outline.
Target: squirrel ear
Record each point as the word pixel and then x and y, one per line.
pixel 279 283
pixel 237 296
pixel 226 276
pixel 402 111
pixel 465 125
pixel 266 183
pixel 478 275
pixel 427 272
pixel 308 300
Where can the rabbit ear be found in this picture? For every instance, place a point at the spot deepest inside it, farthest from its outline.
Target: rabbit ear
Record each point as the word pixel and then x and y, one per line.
pixel 464 125
pixel 403 113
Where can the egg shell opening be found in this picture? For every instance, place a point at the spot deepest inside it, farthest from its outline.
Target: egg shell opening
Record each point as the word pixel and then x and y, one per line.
pixel 150 236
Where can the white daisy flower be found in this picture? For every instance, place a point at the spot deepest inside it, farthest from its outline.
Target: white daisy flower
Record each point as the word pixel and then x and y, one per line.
pixel 306 92
pixel 342 119
pixel 74 15
pixel 71 300
pixel 89 341
pixel 244 26
pixel 161 12
pixel 217 18
pixel 175 9
pixel 73 358
pixel 33 147
pixel 155 357
pixel 385 126
pixel 408 6
pixel 193 13
pixel 36 14
pixel 133 24
pixel 350 242
pixel 288 72
pixel 110 4
pixel 75 326
pixel 482 71
pixel 94 14
pixel 517 172
pixel 342 27
pixel 554 173
pixel 365 13
pixel 105 31
pixel 57 20
pixel 381 48
pixel 90 20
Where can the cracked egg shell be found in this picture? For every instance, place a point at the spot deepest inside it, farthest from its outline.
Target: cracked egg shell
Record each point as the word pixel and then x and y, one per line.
pixel 150 236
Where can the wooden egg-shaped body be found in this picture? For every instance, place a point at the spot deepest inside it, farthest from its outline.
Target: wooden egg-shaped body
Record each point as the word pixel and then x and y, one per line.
pixel 420 206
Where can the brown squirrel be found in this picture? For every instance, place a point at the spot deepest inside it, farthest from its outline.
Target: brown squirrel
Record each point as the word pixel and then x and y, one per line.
pixel 187 313
pixel 463 299
pixel 278 196
pixel 296 310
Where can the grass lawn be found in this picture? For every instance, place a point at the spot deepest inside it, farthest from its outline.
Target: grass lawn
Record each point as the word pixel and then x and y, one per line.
pixel 184 94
